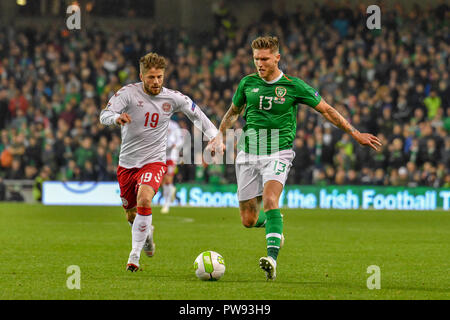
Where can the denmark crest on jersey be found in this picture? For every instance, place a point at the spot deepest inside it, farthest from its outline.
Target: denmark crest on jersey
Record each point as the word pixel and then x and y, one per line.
pixel 167 107
pixel 280 91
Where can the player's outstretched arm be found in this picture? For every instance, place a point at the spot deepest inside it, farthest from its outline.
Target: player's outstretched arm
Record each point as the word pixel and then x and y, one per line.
pixel 227 122
pixel 229 118
pixel 332 115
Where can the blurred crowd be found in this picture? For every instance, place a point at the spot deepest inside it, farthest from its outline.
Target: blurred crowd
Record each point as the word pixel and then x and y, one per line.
pixel 392 82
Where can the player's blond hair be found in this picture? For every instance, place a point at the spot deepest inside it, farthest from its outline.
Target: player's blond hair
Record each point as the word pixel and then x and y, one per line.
pixel 151 60
pixel 266 42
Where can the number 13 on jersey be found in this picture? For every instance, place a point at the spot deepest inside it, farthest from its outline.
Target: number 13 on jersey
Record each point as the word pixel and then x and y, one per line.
pixel 261 98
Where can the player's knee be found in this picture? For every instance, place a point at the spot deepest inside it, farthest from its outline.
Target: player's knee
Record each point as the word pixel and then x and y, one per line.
pixel 144 202
pixel 144 198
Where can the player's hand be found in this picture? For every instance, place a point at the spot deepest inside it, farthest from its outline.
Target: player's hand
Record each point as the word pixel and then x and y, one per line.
pixel 123 118
pixel 367 139
pixel 216 144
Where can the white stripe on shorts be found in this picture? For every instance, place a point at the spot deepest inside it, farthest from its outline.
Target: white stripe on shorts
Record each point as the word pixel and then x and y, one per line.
pixel 273 247
pixel 273 235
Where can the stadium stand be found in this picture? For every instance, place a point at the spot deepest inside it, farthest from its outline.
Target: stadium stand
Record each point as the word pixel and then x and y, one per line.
pixel 393 83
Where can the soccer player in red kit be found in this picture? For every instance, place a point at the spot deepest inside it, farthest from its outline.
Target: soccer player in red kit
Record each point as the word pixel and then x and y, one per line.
pixel 143 111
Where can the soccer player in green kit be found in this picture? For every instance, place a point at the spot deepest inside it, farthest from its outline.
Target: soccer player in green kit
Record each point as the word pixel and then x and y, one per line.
pixel 269 99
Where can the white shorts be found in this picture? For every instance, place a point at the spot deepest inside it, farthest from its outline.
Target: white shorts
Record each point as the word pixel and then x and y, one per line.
pixel 253 171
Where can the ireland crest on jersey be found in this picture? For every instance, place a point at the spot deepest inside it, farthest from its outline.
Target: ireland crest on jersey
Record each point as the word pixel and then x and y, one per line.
pixel 280 91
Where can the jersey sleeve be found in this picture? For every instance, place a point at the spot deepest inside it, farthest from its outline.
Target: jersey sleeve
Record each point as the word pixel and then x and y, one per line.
pixel 196 115
pixel 116 105
pixel 239 98
pixel 307 94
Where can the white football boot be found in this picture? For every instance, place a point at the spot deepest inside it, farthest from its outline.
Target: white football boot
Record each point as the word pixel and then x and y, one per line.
pixel 133 263
pixel 269 265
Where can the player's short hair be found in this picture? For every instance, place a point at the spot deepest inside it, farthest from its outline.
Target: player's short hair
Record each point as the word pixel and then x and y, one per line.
pixel 266 42
pixel 151 60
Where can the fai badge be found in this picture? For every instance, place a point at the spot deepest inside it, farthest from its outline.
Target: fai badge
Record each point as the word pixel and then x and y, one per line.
pixel 280 92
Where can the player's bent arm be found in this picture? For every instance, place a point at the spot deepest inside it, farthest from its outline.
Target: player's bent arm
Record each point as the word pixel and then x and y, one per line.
pixel 114 111
pixel 332 115
pixel 108 117
pixel 230 118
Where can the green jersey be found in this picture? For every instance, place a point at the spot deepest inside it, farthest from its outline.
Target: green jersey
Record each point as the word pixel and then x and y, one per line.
pixel 271 111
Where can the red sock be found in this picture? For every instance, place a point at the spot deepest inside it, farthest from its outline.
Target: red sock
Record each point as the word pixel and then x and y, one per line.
pixel 144 211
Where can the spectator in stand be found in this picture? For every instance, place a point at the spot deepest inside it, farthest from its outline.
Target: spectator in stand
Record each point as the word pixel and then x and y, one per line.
pixel 18 102
pixel 396 156
pixel 4 109
pixel 16 172
pixel 2 189
pixel 352 178
pixel 366 176
pixel 330 174
pixel 433 103
pixel 379 179
pixel 44 175
pixel 32 155
pixel 339 179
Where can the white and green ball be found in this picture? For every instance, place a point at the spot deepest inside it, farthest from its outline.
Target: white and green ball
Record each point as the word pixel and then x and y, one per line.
pixel 209 265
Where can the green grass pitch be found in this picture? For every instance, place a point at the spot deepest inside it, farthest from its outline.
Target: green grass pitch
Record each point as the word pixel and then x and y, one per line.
pixel 326 254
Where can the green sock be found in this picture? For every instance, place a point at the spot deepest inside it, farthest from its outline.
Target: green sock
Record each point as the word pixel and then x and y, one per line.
pixel 274 230
pixel 262 219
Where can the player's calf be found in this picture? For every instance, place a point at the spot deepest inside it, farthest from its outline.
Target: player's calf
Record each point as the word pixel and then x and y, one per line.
pixel 249 213
pixel 274 232
pixel 248 219
pixel 131 215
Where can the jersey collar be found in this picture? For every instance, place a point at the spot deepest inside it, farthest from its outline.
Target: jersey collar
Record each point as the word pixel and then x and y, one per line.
pixel 274 80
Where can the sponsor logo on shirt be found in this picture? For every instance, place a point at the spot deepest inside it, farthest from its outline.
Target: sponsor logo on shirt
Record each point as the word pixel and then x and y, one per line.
pixel 193 106
pixel 279 100
pixel 255 89
pixel 140 104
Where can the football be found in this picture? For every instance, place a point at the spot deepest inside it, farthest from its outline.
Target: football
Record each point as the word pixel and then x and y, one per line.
pixel 209 265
